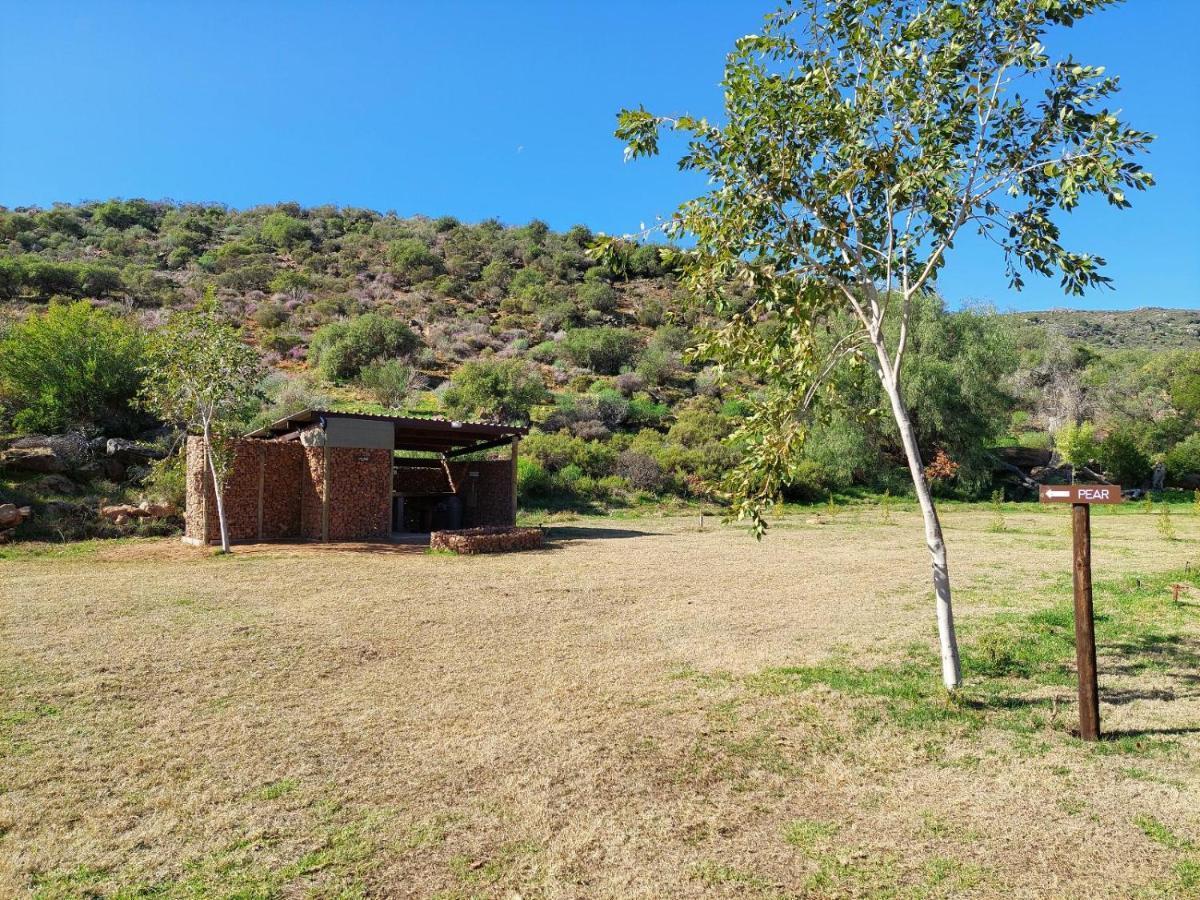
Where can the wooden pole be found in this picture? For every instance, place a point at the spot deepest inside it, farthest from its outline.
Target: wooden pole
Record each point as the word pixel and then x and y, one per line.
pixel 1085 626
pixel 516 442
pixel 262 477
pixel 325 493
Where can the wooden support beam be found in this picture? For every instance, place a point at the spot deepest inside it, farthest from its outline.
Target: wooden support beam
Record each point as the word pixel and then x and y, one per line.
pixel 516 442
pixel 325 494
pixel 483 445
pixel 262 477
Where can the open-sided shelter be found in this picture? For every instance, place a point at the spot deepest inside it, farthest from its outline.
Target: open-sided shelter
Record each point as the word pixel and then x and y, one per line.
pixel 339 476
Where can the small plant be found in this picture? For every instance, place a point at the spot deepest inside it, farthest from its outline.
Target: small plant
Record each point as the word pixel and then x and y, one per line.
pixel 1166 528
pixel 831 507
pixel 885 507
pixel 999 524
pixel 1148 503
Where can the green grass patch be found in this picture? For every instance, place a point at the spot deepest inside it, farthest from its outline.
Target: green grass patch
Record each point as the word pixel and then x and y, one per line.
pixel 277 789
pixel 1018 668
pixel 1161 834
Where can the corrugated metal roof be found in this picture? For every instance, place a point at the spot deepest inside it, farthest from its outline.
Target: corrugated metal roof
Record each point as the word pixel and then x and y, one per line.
pixel 449 428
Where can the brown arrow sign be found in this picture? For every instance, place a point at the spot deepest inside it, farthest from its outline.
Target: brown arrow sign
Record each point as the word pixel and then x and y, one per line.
pixel 1080 493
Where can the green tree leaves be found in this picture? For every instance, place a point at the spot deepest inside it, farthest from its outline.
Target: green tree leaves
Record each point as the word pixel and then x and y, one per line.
pixel 71 365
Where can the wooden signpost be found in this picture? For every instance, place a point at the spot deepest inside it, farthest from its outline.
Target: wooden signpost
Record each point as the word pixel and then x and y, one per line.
pixel 1081 497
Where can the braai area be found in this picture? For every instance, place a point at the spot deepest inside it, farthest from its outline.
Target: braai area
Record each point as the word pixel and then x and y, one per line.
pixel 320 475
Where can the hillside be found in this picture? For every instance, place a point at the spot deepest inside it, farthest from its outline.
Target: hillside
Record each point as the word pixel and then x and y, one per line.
pixel 352 308
pixel 1148 328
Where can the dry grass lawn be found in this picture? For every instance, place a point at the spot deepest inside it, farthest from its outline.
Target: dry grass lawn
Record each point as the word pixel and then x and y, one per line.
pixel 642 710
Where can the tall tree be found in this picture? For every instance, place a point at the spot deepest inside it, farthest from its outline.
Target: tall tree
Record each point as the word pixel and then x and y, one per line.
pixel 859 138
pixel 203 376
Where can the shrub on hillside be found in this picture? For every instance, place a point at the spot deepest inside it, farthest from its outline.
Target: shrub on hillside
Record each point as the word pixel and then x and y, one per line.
pixel 343 349
pixel 390 382
pixel 503 389
pixel 641 470
pixel 70 365
pixel 284 231
pixel 270 314
pixel 603 350
pixel 598 296
pixel 414 261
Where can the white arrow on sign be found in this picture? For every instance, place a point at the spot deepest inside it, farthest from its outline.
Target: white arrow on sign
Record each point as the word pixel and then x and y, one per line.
pixel 1050 493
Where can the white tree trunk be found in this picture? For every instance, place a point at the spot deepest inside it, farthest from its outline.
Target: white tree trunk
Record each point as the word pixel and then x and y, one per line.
pixel 951 669
pixel 217 492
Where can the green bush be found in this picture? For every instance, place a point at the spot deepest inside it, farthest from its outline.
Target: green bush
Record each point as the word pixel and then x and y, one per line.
pixel 71 365
pixel 1077 443
pixel 270 314
pixel 603 350
pixel 388 381
pixel 343 349
pixel 657 365
pixel 167 481
pixel 283 231
pixel 414 260
pixel 532 479
pixel 1122 459
pixel 504 389
pixel 598 295
pixel 1184 458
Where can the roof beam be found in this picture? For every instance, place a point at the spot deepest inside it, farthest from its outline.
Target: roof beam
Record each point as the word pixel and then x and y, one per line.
pixel 482 445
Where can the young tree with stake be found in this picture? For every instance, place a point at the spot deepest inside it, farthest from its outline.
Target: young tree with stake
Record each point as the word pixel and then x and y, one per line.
pixel 202 376
pixel 860 138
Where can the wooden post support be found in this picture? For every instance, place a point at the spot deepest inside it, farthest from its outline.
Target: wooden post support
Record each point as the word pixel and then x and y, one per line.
pixel 516 442
pixel 325 493
pixel 1085 625
pixel 262 477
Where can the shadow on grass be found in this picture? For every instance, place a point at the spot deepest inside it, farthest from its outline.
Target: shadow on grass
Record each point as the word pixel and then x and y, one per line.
pixel 563 534
pixel 1120 734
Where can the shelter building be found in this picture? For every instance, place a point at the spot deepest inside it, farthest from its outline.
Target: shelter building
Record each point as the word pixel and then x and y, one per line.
pixel 322 475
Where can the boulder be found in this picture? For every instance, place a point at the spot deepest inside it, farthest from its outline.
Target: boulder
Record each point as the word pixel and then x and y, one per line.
pixel 1051 474
pixel 43 460
pixel 122 511
pixel 156 510
pixel 1023 457
pixel 65 509
pixel 53 484
pixel 12 515
pixel 132 453
pixel 110 468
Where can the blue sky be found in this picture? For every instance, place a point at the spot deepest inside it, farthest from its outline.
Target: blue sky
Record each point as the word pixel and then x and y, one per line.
pixel 479 109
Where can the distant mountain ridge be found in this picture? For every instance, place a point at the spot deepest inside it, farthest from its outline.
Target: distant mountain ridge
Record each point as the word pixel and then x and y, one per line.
pixel 1145 328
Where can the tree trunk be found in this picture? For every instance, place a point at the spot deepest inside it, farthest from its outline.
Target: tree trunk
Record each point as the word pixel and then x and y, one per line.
pixel 951 669
pixel 217 492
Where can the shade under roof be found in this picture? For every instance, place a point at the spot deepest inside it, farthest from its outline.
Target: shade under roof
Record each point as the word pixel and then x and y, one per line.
pixel 412 432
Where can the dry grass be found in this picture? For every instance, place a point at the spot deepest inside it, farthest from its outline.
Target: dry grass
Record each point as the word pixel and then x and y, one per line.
pixel 643 710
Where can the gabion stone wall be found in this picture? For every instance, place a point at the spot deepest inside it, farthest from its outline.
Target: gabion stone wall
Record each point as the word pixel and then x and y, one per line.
pixel 360 493
pixel 487 540
pixel 488 497
pixel 262 493
pixel 277 490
